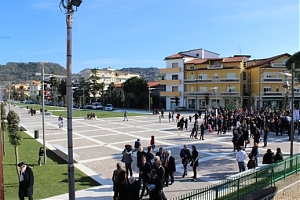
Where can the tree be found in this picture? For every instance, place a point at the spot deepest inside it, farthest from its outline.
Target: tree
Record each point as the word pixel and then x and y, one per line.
pixel 296 60
pixel 253 101
pixel 14 134
pixel 122 98
pixel 3 127
pixel 285 100
pixel 95 86
pixel 21 88
pixel 62 88
pixel 137 88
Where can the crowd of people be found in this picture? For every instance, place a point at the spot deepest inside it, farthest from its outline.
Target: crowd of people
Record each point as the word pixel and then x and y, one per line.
pixel 156 171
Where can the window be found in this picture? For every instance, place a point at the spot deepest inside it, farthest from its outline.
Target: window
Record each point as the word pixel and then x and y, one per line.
pixel 230 75
pixel 277 89
pixel 244 76
pixel 203 76
pixel 174 88
pixel 192 77
pixel 174 77
pixel 296 89
pixel 230 88
pixel 217 63
pixel 283 61
pixel 197 54
pixel 267 89
pixel 244 88
pixel 216 76
pixel 267 75
pixel 174 65
pixel 244 64
pixel 192 89
pixel 192 104
pixel 202 89
pixel 192 66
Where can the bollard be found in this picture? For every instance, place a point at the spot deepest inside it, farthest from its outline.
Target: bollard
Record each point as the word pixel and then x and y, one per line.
pixel 36 134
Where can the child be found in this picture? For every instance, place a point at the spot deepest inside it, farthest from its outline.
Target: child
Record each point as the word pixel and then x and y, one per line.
pixel 152 142
pixel 190 118
pixel 192 133
pixel 137 145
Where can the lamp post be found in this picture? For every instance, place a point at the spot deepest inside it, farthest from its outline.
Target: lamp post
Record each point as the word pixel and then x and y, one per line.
pixel 1 163
pixel 69 20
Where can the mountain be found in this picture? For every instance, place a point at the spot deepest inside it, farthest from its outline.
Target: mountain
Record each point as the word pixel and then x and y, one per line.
pixel 149 74
pixel 21 72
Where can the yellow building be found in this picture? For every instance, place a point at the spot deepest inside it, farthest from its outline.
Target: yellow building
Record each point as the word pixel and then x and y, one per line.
pixel 267 80
pixel 215 82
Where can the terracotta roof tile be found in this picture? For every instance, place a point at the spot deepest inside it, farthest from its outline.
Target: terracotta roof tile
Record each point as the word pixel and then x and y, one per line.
pixel 196 61
pixel 267 60
pixel 153 84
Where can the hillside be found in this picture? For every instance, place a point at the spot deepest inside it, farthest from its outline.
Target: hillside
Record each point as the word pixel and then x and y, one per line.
pixel 21 72
pixel 149 74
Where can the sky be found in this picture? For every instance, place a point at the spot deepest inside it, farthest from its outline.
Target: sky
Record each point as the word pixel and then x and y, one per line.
pixel 141 33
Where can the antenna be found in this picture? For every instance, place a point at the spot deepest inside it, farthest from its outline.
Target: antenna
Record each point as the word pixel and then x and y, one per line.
pixel 240 50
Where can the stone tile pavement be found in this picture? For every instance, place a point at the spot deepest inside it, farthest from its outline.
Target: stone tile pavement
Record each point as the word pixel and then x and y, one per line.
pixel 99 143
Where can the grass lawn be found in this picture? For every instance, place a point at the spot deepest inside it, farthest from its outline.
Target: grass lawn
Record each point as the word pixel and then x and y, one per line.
pixel 38 107
pixel 99 114
pixel 50 179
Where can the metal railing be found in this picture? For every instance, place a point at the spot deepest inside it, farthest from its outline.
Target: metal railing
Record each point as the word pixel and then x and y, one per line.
pixel 246 182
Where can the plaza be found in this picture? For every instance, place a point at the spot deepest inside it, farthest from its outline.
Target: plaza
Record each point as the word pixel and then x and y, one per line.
pixel 98 146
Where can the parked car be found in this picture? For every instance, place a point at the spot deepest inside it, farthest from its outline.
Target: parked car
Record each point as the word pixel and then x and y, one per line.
pixel 109 107
pixel 88 106
pixel 97 106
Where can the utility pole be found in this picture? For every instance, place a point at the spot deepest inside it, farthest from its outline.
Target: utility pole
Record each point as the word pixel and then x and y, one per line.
pixel 43 114
pixel 1 162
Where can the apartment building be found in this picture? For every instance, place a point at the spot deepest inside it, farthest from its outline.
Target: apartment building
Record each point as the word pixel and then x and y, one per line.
pixel 107 76
pixel 215 82
pixel 175 73
pixel 267 79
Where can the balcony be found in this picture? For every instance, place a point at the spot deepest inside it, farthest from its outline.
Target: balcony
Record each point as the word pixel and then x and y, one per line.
pixel 271 94
pixel 170 70
pixel 229 80
pixel 170 94
pixel 170 82
pixel 197 93
pixel 271 79
pixel 280 65
pixel 229 93
pixel 214 66
pixel 197 80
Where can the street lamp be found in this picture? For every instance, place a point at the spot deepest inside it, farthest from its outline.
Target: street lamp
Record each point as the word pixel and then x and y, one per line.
pixel 1 141
pixel 215 89
pixel 69 19
pixel 293 70
pixel 149 96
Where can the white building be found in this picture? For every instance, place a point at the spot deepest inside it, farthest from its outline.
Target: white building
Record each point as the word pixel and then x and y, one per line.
pixel 174 79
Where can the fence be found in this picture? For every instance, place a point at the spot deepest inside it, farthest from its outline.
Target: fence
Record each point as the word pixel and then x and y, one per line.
pixel 246 182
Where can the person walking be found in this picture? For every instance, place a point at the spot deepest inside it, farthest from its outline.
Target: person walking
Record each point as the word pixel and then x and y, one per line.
pixel 266 137
pixel 194 161
pixel 155 186
pixel 26 181
pixel 255 153
pixel 145 175
pixel 202 129
pixel 152 142
pixel 41 154
pixel 127 158
pixel 133 189
pixel 241 157
pixel 125 116
pixel 114 179
pixel 170 168
pixel 60 121
pixel 196 127
pixel 185 155
pixel 137 145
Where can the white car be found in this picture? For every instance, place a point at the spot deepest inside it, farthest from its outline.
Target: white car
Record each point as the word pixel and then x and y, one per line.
pixel 109 107
pixel 97 106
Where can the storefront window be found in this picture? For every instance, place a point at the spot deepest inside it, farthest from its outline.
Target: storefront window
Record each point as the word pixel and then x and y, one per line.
pixel 192 104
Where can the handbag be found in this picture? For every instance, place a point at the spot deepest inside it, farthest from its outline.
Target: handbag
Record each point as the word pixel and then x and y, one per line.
pixel 247 141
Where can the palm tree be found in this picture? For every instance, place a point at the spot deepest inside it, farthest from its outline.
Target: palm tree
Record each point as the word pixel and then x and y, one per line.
pixel 21 88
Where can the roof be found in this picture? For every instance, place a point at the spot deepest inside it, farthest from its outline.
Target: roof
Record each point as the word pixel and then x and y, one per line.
pixel 224 60
pixel 35 82
pixel 175 56
pixel 267 60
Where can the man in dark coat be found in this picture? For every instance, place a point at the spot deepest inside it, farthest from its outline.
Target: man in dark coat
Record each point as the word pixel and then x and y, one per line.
pixel 170 168
pixel 26 181
pixel 185 155
pixel 144 174
pixel 156 186
pixel 269 157
pixel 133 189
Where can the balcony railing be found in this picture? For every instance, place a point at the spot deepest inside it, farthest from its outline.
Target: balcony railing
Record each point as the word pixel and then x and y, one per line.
pixel 229 93
pixel 229 79
pixel 198 93
pixel 272 93
pixel 214 66
pixel 272 79
pixel 197 80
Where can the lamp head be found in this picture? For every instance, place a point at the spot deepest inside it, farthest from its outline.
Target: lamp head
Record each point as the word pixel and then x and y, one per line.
pixel 76 3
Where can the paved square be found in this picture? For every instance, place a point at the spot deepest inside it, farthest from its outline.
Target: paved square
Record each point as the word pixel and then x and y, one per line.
pixel 99 144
